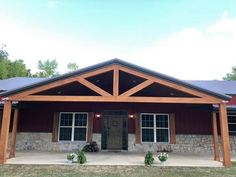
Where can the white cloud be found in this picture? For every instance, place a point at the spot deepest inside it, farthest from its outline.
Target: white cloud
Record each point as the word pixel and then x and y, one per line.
pixel 52 3
pixel 188 54
pixel 193 53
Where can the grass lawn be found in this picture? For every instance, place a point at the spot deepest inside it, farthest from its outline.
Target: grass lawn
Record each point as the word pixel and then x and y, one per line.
pixel 111 171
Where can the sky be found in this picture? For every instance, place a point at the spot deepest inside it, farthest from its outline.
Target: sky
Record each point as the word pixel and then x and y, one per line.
pixel 190 40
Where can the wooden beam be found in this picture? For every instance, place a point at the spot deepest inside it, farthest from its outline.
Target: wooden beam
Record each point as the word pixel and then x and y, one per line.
pixel 93 87
pixel 97 72
pixel 115 99
pixel 171 84
pixel 137 88
pixel 215 137
pixel 116 81
pixel 90 127
pixel 137 129
pixel 61 82
pixel 5 131
pixel 225 135
pixel 13 133
pixel 44 87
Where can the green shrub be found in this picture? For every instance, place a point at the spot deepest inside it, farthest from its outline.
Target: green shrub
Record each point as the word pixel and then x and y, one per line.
pixel 81 157
pixel 149 158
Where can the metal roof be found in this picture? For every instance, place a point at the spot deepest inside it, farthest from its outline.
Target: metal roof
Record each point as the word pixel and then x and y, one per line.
pixel 17 82
pixel 122 63
pixel 219 86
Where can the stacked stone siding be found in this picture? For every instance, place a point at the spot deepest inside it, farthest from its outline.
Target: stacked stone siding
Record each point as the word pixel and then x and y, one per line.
pixel 184 143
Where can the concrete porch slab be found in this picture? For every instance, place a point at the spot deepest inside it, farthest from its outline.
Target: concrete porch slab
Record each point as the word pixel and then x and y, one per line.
pixel 114 158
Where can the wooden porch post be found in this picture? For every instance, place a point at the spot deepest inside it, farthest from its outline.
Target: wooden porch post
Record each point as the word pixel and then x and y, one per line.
pixel 14 131
pixel 5 131
pixel 215 137
pixel 224 135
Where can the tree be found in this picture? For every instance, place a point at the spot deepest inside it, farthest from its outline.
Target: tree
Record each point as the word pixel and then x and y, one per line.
pixel 48 68
pixel 72 67
pixel 232 75
pixel 3 52
pixel 4 66
pixel 15 68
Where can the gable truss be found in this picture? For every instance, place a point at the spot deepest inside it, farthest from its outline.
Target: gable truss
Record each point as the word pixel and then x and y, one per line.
pixel 201 98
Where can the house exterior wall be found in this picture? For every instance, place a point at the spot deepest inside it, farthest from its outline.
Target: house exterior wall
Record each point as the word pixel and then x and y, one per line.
pixel 192 123
pixel 232 101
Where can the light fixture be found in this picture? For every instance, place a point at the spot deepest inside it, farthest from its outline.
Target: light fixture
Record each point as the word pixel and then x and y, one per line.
pixel 98 115
pixel 131 116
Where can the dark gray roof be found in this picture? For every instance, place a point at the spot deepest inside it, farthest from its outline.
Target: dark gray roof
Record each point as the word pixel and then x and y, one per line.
pixel 219 86
pixel 17 82
pixel 122 63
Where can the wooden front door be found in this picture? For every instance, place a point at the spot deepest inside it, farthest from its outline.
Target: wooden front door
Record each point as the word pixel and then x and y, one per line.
pixel 115 130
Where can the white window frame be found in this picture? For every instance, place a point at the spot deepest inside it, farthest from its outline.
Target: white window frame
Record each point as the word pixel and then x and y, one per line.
pixel 73 126
pixel 155 128
pixel 232 115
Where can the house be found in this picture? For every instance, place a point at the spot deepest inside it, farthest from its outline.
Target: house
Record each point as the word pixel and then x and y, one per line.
pixel 121 106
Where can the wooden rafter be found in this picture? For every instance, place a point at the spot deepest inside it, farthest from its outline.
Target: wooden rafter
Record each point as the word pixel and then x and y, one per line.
pixel 62 82
pixel 125 97
pixel 44 87
pixel 115 99
pixel 93 87
pixel 137 88
pixel 170 84
pixel 97 72
pixel 115 81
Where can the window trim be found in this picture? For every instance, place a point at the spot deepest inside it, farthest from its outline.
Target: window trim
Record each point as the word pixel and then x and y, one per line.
pixel 155 128
pixel 73 127
pixel 232 115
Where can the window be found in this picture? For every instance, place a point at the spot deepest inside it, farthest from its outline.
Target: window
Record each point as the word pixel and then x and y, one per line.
pixel 155 127
pixel 73 126
pixel 232 123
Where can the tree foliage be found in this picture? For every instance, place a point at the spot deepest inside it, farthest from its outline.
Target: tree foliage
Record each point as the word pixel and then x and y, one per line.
pixel 3 52
pixel 47 68
pixel 232 75
pixel 15 68
pixel 72 67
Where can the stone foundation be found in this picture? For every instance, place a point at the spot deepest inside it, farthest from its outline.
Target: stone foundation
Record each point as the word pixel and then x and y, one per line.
pixel 184 143
pixel 43 142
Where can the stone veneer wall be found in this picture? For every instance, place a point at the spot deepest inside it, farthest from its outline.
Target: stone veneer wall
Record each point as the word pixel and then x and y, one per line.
pixel 184 143
pixel 43 142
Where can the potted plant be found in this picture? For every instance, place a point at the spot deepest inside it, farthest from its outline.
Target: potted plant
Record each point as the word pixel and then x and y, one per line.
pixel 162 156
pixel 71 156
pixel 149 158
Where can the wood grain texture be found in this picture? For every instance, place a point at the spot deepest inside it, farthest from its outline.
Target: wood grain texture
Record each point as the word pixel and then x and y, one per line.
pixel 225 135
pixel 14 131
pixel 215 137
pixel 5 131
